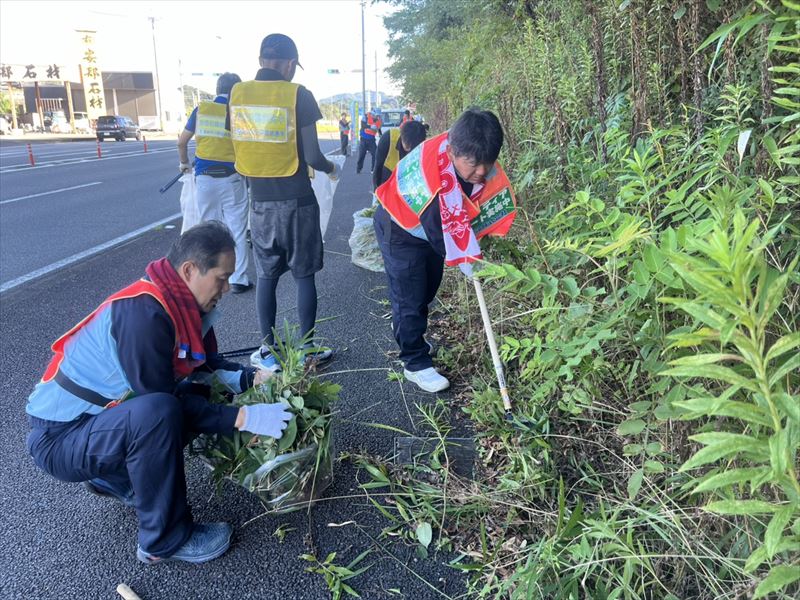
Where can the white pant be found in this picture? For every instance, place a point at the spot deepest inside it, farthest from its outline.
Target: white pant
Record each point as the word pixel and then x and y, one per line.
pixel 225 199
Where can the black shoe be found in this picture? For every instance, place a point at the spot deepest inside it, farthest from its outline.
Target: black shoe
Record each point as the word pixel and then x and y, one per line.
pixel 358 171
pixel 238 288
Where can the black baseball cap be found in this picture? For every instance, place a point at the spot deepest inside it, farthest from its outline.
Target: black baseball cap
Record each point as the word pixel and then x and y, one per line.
pixel 277 45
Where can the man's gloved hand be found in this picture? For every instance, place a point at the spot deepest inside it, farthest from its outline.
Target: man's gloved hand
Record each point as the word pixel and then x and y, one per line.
pixel 466 269
pixel 185 167
pixel 334 175
pixel 266 419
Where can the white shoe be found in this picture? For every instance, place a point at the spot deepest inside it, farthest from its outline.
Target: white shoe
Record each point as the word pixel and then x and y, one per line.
pixel 428 379
pixel 267 363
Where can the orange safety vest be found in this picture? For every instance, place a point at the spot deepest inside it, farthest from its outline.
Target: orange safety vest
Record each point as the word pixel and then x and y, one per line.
pixel 181 367
pixel 416 181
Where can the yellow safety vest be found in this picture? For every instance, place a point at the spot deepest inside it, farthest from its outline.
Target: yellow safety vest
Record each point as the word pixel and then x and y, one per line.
pixel 213 140
pixel 264 128
pixel 393 157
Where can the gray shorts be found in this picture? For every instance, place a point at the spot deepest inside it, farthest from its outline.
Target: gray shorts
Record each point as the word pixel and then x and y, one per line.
pixel 286 237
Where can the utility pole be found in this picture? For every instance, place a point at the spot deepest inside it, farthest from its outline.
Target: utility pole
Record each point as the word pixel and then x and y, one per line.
pixel 158 81
pixel 363 63
pixel 377 95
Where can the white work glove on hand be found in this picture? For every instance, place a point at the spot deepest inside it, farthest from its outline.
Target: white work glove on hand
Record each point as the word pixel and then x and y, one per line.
pixel 185 167
pixel 266 419
pixel 466 269
pixel 334 175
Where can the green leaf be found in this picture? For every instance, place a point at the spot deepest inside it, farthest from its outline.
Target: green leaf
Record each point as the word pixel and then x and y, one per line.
pixel 778 443
pixel 721 445
pixel 779 577
pixel 775 529
pixel 653 466
pixel 740 507
pixel 789 404
pixel 783 345
pixel 424 534
pixel 723 374
pixel 791 364
pixel 289 435
pixel 631 427
pixel 702 359
pixel 375 473
pixel 635 483
pixel 729 477
pixel 680 12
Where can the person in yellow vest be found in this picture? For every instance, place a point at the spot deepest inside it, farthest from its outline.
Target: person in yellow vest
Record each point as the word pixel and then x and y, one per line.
pixel 220 191
pixel 393 146
pixel 444 196
pixel 273 127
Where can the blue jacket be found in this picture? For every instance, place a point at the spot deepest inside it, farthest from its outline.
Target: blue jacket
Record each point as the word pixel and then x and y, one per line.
pixel 127 349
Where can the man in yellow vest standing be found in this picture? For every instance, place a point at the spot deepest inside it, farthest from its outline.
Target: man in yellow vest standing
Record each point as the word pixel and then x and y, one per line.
pixel 220 191
pixel 394 145
pixel 273 127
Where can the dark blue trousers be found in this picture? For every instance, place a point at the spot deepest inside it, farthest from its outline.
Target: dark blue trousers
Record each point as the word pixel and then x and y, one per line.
pixel 137 444
pixel 414 271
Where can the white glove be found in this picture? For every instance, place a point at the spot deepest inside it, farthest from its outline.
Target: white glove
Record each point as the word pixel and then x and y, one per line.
pixel 466 269
pixel 185 167
pixel 334 175
pixel 266 419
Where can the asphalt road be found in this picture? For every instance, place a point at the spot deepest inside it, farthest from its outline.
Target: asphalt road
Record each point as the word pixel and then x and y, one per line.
pixel 59 541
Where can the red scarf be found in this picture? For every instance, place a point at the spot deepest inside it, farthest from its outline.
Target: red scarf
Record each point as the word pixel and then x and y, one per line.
pixel 185 313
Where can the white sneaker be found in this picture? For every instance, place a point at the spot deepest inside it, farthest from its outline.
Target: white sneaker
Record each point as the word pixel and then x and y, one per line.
pixel 428 379
pixel 267 363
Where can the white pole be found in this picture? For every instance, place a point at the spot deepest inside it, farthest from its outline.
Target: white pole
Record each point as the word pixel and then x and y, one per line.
pixel 498 366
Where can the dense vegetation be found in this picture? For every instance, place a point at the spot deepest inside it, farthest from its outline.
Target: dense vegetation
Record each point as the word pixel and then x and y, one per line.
pixel 647 301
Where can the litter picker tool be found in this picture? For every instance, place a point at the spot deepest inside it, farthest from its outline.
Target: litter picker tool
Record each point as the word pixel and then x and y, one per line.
pixel 498 366
pixel 171 182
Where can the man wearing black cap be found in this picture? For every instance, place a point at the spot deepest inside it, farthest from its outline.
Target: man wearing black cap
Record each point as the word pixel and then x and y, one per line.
pixel 273 128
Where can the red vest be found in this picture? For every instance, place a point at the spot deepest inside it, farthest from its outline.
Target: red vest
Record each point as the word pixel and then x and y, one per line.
pixel 181 367
pixel 416 181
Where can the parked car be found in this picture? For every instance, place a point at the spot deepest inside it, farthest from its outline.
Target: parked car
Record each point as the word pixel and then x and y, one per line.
pixel 120 128
pixel 82 124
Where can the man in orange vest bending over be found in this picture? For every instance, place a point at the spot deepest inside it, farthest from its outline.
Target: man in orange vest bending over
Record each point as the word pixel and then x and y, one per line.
pixel 440 200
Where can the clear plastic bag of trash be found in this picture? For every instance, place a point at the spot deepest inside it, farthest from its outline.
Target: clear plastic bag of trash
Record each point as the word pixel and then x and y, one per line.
pixel 290 481
pixel 364 250
pixel 293 480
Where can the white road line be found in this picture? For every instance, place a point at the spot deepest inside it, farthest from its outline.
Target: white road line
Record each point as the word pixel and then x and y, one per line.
pixel 24 169
pixel 66 189
pixel 85 254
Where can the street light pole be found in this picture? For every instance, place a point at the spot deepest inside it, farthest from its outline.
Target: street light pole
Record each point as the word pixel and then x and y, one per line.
pixel 158 80
pixel 363 63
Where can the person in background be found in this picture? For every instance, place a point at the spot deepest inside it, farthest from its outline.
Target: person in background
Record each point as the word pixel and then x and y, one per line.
pixel 393 146
pixel 369 130
pixel 111 409
pixel 344 134
pixel 220 191
pixel 275 157
pixel 406 117
pixel 447 193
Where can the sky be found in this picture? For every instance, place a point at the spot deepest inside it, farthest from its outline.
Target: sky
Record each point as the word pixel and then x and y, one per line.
pixel 200 36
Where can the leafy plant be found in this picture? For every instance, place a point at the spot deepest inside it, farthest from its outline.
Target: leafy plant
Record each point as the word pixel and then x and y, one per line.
pixel 336 575
pixel 752 372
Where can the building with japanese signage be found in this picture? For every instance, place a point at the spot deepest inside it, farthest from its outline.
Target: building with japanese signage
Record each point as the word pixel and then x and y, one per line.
pixel 64 95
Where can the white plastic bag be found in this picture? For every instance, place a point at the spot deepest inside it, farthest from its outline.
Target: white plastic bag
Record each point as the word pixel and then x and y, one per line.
pixel 364 250
pixel 324 189
pixel 189 209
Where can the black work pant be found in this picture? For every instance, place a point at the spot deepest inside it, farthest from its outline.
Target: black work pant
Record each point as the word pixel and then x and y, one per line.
pixel 139 445
pixel 365 145
pixel 345 141
pixel 414 271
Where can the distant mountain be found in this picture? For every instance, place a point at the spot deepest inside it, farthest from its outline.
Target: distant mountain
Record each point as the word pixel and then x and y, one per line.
pixel 386 101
